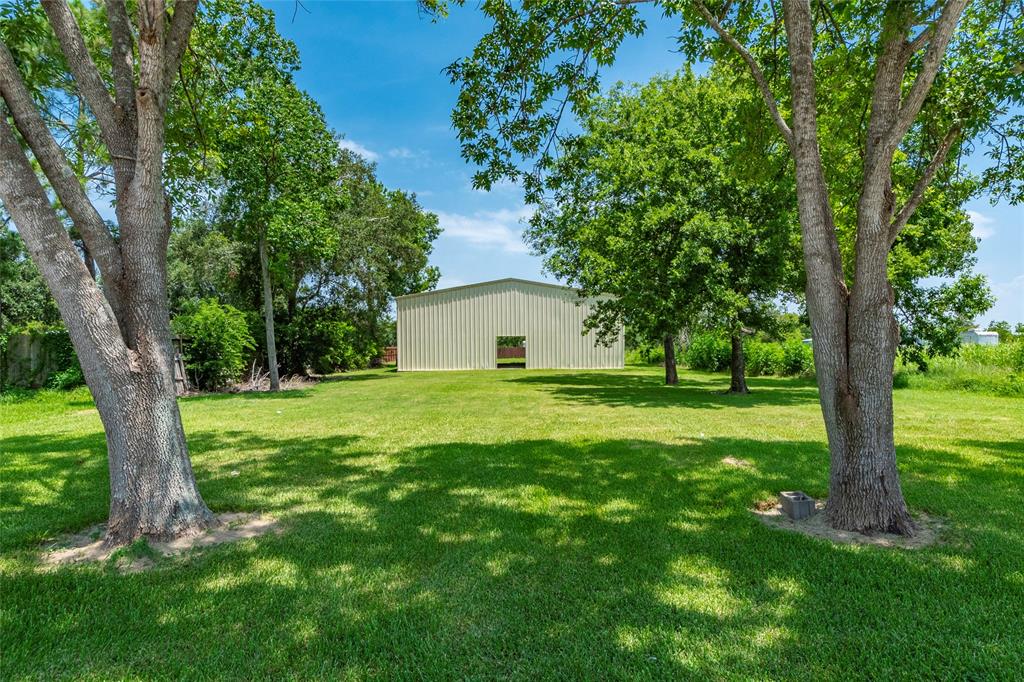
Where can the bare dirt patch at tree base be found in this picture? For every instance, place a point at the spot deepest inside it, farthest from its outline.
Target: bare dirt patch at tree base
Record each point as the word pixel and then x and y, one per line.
pixel 87 546
pixel 771 514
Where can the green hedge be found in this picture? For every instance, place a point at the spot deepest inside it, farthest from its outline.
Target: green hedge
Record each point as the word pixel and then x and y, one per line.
pixel 318 341
pixel 708 353
pixel 217 343
pixel 712 353
pixel 646 355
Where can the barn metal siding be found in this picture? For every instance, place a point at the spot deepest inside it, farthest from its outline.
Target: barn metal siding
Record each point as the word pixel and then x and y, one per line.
pixel 457 328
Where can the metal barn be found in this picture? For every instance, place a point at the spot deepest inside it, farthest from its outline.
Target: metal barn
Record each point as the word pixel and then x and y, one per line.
pixel 458 328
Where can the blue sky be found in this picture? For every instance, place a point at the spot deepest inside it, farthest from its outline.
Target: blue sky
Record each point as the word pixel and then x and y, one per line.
pixel 376 69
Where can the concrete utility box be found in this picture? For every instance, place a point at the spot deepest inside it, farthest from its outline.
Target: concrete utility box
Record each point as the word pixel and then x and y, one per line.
pixel 460 328
pixel 796 504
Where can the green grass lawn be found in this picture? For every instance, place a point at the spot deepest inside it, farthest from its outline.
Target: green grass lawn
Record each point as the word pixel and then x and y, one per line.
pixel 528 525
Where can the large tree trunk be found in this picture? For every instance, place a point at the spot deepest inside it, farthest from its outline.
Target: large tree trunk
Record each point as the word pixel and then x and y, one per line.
pixel 153 492
pixel 671 375
pixel 854 340
pixel 268 316
pixel 854 333
pixel 122 333
pixel 738 366
pixel 127 362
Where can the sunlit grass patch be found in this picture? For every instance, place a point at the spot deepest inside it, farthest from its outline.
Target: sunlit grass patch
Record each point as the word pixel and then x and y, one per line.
pixel 528 524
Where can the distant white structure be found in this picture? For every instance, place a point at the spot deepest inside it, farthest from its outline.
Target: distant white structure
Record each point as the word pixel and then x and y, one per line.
pixel 979 337
pixel 457 328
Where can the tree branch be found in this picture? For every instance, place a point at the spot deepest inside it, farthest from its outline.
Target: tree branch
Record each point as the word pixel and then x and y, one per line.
pixel 917 194
pixel 122 48
pixel 755 70
pixel 62 178
pixel 87 76
pixel 81 303
pixel 177 38
pixel 941 33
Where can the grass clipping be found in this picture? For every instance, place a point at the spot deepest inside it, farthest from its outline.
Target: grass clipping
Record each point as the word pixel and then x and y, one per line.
pixel 87 546
pixel 771 514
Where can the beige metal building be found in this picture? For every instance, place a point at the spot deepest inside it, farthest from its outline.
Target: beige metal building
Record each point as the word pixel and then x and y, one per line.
pixel 458 328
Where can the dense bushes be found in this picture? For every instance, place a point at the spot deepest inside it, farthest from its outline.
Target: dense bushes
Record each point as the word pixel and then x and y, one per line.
pixel 217 343
pixel 797 358
pixel 764 359
pixel 708 353
pixel 646 355
pixel 316 341
pixel 996 370
pixel 712 353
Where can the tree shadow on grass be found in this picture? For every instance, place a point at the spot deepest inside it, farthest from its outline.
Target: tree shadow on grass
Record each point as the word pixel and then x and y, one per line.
pixel 528 559
pixel 632 390
pixel 51 485
pixel 285 394
pixel 1010 450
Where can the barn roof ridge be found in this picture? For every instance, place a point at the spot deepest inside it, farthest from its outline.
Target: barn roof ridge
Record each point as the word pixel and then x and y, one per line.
pixel 519 280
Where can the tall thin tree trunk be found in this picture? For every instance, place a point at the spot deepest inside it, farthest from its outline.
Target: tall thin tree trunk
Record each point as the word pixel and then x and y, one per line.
pixel 268 316
pixel 671 375
pixel 737 366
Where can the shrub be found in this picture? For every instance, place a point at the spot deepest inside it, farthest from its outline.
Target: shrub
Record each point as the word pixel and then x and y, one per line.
pixel 797 358
pixel 995 370
pixel 66 379
pixel 217 343
pixel 1007 355
pixel 316 341
pixel 646 355
pixel 708 352
pixel 763 359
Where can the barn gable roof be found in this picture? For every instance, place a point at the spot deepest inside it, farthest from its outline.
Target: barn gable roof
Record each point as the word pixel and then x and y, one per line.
pixel 506 280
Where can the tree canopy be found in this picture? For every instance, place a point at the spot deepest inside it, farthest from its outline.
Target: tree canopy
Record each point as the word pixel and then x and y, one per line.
pixel 662 205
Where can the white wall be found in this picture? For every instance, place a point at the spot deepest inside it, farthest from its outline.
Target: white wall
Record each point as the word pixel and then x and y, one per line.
pixel 981 338
pixel 458 328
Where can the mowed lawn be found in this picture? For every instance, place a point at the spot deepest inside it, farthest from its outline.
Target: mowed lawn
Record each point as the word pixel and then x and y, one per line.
pixel 522 525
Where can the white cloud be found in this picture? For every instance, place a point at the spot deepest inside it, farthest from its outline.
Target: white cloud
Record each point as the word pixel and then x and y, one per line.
pixel 401 153
pixel 488 229
pixel 354 146
pixel 983 225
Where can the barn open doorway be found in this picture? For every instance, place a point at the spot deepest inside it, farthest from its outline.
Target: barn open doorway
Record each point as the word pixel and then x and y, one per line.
pixel 511 352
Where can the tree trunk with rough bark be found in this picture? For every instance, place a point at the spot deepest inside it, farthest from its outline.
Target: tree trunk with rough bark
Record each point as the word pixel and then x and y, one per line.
pixel 671 375
pixel 738 366
pixel 153 492
pixel 855 334
pixel 268 316
pixel 121 332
